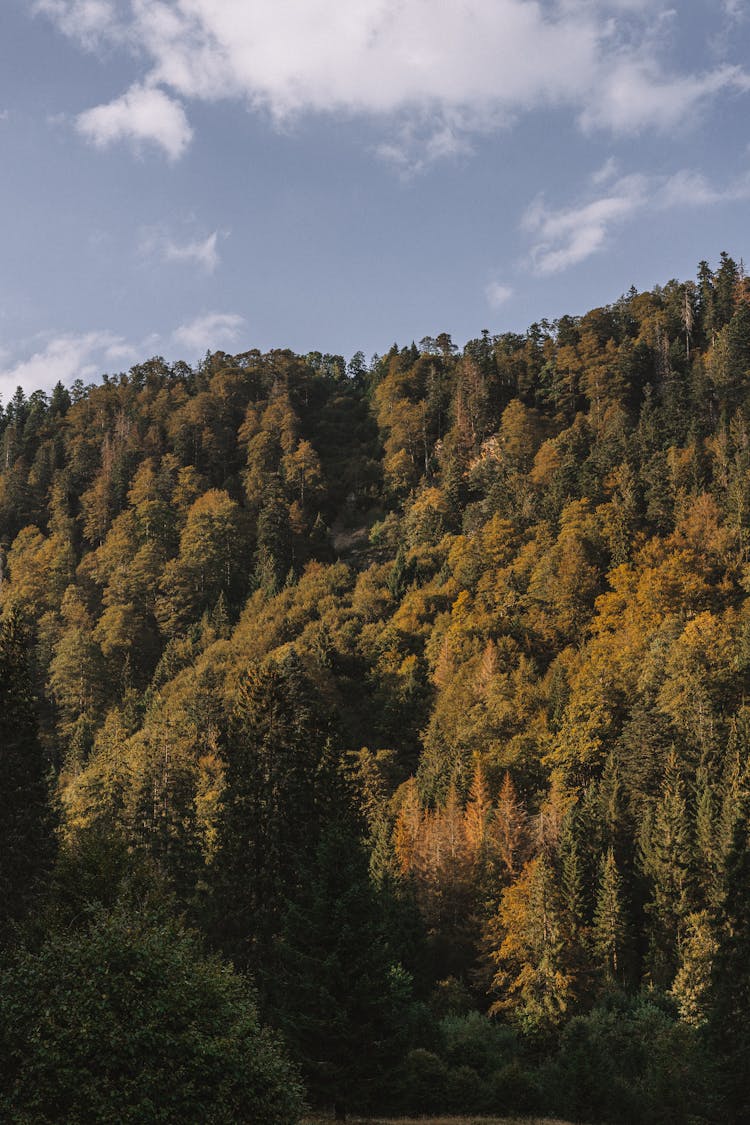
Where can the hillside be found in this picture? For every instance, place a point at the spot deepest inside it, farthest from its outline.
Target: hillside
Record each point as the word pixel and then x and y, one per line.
pixel 419 687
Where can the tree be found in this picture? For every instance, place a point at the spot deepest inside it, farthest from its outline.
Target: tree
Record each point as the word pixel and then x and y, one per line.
pixel 76 676
pixel 271 807
pixel 666 861
pixel 344 1003
pixel 532 979
pixel 209 563
pixel 610 924
pixel 728 1027
pixel 125 1022
pixel 26 823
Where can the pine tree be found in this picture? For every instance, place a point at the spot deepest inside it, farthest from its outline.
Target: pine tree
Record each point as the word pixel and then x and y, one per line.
pixel 273 556
pixel 507 831
pixel 610 926
pixel 271 807
pixel 666 855
pixel 532 979
pixel 729 1029
pixel 343 1002
pixel 26 823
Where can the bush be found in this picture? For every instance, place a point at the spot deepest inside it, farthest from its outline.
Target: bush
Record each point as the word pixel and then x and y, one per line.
pixel 474 1040
pixel 127 1022
pixel 514 1089
pixel 627 1061
pixel 421 1083
pixel 465 1092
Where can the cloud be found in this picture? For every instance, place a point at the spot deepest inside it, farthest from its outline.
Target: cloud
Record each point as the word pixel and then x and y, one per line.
pixel 570 235
pixel 564 237
pixel 736 10
pixel 142 114
pixel 497 294
pixel 608 171
pixel 636 96
pixel 437 73
pixel 692 189
pixel 203 253
pixel 88 21
pixel 208 332
pixel 67 357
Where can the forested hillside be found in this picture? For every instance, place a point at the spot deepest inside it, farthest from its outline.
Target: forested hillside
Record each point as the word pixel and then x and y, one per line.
pixel 418 687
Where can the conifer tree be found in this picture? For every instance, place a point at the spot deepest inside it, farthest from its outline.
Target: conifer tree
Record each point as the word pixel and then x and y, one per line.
pixel 26 823
pixel 532 979
pixel 610 926
pixel 271 807
pixel 343 1001
pixel 666 854
pixel 729 1029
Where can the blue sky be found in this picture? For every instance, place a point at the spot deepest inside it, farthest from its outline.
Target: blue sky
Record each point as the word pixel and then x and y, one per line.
pixel 177 175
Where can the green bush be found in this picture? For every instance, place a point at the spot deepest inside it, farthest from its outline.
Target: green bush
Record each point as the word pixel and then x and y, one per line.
pixel 514 1089
pixel 421 1083
pixel 475 1041
pixel 127 1022
pixel 627 1061
pixel 465 1092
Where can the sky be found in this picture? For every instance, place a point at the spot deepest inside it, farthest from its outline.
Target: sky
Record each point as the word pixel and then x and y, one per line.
pixel 178 176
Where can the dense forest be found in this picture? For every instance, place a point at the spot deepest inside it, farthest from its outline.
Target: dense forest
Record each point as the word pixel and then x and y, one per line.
pixel 375 733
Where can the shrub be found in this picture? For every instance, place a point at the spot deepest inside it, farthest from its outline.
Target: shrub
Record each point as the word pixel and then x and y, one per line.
pixel 627 1061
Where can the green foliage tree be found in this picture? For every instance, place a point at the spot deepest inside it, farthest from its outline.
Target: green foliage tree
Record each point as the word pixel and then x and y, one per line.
pixel 344 1001
pixel 126 1021
pixel 610 923
pixel 271 806
pixel 728 1029
pixel 27 845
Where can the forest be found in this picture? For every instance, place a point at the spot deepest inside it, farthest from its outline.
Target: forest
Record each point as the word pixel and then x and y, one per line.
pixel 375 734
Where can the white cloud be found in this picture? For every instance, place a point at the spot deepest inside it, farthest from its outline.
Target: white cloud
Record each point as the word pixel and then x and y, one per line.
pixel 569 235
pixel 142 114
pixel 445 69
pixel 564 237
pixel 692 189
pixel 607 172
pixel 736 10
pixel 497 294
pixel 86 20
pixel 636 96
pixel 203 252
pixel 65 358
pixel 68 356
pixel 208 332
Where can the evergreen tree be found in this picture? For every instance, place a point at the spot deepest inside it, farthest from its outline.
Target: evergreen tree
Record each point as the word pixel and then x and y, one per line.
pixel 26 823
pixel 343 1002
pixel 729 1027
pixel 271 807
pixel 610 926
pixel 666 854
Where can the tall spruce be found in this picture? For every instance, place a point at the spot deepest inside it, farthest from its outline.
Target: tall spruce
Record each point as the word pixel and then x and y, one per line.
pixel 271 807
pixel 610 924
pixel 342 1000
pixel 729 1028
pixel 26 824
